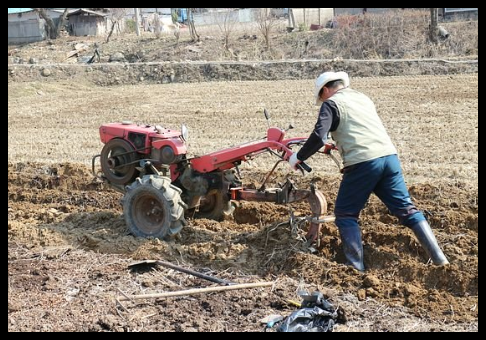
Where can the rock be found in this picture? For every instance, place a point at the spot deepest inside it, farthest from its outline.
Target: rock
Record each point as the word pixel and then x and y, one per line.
pixel 361 295
pixel 84 59
pixel 371 292
pixel 13 307
pixel 371 281
pixel 117 56
pixel 411 290
pixel 46 72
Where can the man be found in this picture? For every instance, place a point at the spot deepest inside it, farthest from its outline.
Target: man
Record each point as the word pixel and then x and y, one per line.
pixel 371 165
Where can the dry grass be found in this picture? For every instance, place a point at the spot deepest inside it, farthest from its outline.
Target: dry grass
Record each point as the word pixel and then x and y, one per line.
pixel 400 34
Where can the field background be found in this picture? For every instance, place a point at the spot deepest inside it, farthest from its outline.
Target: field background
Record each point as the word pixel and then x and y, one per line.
pixel 69 247
pixel 433 120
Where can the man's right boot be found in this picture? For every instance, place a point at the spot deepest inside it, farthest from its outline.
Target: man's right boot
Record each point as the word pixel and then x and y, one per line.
pixel 426 237
pixel 353 247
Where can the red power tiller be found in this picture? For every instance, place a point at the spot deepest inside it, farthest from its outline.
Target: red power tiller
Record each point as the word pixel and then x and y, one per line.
pixel 149 164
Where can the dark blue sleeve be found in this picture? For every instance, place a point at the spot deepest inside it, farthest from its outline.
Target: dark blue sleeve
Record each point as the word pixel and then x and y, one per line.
pixel 328 121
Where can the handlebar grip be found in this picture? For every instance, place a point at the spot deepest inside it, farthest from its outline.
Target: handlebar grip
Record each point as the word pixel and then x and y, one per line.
pixel 305 167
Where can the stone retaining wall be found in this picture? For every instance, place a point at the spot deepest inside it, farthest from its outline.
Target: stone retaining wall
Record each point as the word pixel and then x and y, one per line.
pixel 166 72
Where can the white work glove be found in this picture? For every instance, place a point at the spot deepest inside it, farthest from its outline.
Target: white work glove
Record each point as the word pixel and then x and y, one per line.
pixel 294 161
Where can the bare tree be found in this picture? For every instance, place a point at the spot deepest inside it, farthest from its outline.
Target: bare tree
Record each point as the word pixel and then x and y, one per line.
pixel 53 30
pixel 266 24
pixel 192 27
pixel 157 25
pixel 177 33
pixel 434 23
pixel 137 21
pixel 117 15
pixel 62 20
pixel 226 22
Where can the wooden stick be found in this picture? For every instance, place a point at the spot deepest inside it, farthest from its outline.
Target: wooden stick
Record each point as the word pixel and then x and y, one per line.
pixel 196 291
pixel 122 293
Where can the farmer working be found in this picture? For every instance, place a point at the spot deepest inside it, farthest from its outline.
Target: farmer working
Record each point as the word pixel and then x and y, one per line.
pixel 371 165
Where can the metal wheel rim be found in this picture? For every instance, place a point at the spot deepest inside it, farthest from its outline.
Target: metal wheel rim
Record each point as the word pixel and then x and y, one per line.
pixel 149 214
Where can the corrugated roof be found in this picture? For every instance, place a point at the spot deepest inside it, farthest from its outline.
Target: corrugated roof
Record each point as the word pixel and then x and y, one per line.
pixel 19 10
pixel 86 11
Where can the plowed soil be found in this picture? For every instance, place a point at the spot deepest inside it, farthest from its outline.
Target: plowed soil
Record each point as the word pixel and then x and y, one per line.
pixel 69 248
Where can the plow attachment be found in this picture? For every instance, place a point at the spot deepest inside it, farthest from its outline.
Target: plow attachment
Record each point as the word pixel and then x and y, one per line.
pixel 289 194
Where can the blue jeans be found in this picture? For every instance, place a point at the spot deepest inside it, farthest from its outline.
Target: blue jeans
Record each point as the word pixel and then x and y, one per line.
pixel 382 176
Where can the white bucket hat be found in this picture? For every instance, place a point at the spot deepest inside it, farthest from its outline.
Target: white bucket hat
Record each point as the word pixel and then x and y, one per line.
pixel 325 78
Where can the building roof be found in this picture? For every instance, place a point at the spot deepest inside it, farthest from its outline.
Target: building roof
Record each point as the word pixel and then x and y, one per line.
pixel 86 11
pixel 19 10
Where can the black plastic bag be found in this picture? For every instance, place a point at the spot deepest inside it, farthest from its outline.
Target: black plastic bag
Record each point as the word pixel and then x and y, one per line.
pixel 317 315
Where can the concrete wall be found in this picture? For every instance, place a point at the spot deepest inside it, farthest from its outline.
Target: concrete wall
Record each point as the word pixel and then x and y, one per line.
pixel 311 16
pixel 246 15
pixel 149 21
pixel 251 14
pixel 26 31
pixel 213 18
pixel 459 13
pixel 354 11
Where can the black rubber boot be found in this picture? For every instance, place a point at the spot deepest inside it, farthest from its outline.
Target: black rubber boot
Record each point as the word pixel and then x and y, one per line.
pixel 426 237
pixel 353 247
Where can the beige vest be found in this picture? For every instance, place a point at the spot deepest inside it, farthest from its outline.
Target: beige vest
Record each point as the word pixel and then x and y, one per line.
pixel 360 135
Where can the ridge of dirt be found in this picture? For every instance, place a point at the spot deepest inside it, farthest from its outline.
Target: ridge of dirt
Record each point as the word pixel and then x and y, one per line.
pixel 68 248
pixel 189 72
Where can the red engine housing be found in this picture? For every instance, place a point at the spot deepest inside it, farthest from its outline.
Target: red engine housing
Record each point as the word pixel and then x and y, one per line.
pixel 144 137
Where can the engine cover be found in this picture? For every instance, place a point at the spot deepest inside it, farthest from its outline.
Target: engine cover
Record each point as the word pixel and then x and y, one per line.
pixel 168 144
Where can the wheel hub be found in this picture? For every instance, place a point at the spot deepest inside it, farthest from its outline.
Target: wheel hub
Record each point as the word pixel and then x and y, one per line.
pixel 148 214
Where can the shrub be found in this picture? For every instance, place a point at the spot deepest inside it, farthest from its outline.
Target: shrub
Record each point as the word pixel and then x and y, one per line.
pixel 130 26
pixel 398 34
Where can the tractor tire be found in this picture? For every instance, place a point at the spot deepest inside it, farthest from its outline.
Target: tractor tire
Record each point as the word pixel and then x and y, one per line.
pixel 118 162
pixel 153 207
pixel 214 206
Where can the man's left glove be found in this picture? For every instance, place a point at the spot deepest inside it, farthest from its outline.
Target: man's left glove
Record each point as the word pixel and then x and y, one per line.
pixel 294 161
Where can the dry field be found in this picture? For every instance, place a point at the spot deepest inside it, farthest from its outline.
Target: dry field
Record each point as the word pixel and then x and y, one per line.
pixel 68 247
